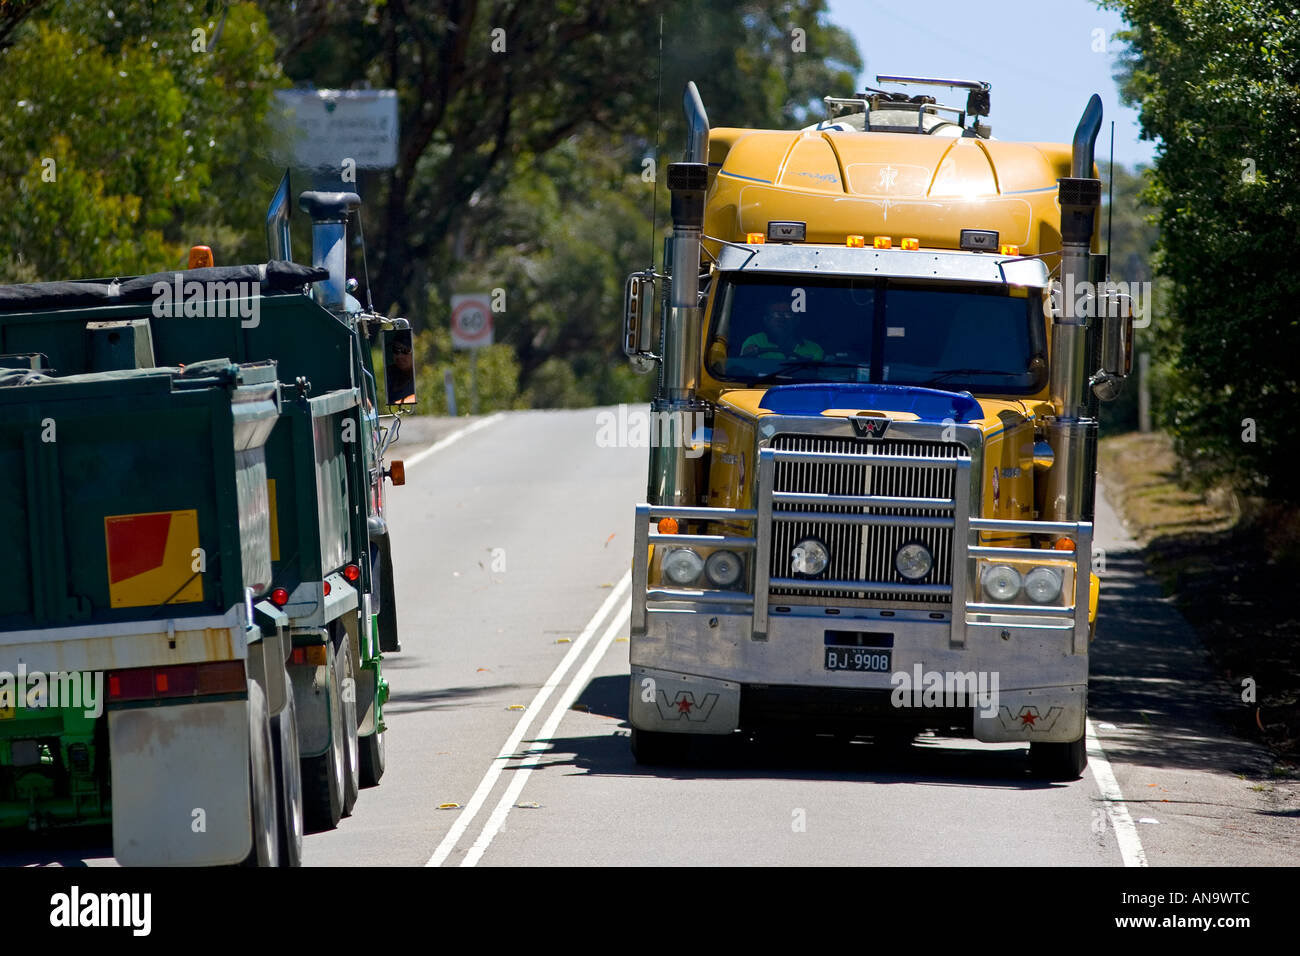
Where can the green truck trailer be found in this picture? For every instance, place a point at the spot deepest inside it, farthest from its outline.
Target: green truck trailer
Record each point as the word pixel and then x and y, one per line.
pixel 304 607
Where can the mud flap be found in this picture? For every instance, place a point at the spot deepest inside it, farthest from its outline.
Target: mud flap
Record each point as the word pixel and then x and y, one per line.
pixel 1047 714
pixel 388 639
pixel 682 703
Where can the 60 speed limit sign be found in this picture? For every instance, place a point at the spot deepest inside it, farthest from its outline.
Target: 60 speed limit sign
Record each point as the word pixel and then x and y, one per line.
pixel 471 321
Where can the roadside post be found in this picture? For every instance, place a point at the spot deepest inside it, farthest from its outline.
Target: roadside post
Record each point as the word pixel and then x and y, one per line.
pixel 471 328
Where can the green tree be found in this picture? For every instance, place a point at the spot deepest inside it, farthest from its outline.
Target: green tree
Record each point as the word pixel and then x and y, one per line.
pixel 135 131
pixel 522 169
pixel 1217 85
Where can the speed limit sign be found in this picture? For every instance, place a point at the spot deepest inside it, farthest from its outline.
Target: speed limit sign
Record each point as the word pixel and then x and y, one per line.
pixel 471 321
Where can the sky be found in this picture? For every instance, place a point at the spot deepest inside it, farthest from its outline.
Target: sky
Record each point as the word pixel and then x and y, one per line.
pixel 1037 54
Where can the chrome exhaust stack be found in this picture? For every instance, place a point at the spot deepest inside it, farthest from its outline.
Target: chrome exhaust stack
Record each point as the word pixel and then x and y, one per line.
pixel 674 477
pixel 1072 430
pixel 329 217
pixel 277 222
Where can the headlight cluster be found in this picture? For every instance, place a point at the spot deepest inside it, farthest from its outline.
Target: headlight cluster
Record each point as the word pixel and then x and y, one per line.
pixel 683 567
pixel 810 558
pixel 1003 583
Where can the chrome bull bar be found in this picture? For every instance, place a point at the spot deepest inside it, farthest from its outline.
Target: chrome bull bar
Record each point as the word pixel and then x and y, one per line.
pixel 966 615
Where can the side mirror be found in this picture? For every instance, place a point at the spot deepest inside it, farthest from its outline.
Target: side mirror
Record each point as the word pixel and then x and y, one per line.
pixel 638 321
pixel 399 367
pixel 1115 326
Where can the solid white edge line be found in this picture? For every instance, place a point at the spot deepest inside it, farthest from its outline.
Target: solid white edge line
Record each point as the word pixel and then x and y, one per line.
pixel 442 443
pixel 543 742
pixel 511 746
pixel 1130 847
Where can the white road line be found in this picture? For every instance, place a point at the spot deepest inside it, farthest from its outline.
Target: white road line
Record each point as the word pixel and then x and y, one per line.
pixel 539 749
pixel 454 436
pixel 511 747
pixel 1130 847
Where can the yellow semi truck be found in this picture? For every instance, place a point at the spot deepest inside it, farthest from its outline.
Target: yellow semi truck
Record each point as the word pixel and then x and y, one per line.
pixel 870 500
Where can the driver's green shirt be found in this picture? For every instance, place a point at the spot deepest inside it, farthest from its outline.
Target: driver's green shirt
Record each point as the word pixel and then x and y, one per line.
pixel 759 345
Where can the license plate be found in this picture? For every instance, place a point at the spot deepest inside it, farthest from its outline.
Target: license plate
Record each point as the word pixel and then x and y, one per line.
pixel 870 659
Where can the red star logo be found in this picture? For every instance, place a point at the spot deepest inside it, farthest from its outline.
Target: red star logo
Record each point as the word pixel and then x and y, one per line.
pixel 684 706
pixel 1028 718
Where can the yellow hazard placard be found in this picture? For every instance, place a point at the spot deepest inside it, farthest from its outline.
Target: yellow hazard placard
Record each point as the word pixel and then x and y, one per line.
pixel 154 558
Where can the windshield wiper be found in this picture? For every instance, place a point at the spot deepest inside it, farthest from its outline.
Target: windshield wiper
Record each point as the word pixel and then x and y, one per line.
pixel 788 367
pixel 950 373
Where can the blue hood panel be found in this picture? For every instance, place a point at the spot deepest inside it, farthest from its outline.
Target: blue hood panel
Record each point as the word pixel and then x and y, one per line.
pixel 927 404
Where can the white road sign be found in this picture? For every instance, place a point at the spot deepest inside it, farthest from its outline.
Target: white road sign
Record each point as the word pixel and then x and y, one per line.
pixel 324 128
pixel 471 320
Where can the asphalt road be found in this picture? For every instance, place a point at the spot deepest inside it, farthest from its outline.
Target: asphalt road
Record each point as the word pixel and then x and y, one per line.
pixel 508 741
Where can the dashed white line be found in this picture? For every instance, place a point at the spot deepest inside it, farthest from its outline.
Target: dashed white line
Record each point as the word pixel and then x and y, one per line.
pixel 548 730
pixel 511 746
pixel 1130 847
pixel 453 437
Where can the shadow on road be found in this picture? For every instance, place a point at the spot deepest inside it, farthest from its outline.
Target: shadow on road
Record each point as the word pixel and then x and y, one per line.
pixel 1151 678
pixel 930 760
pixel 409 702
pixel 68 848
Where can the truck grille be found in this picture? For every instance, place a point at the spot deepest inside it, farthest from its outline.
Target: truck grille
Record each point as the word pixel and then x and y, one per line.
pixel 865 553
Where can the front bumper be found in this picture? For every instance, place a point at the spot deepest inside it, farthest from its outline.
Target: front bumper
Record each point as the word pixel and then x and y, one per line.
pixel 719 660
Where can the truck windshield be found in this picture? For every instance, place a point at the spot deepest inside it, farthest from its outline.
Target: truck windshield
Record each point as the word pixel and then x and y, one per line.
pixel 774 329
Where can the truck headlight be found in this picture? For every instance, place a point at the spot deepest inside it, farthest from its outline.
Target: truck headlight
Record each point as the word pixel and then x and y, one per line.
pixel 1001 582
pixel 913 561
pixel 1043 585
pixel 682 566
pixel 723 569
pixel 809 558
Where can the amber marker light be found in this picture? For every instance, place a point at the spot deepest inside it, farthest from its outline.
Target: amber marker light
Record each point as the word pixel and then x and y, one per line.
pixel 855 242
pixel 911 243
pixel 667 525
pixel 882 242
pixel 755 238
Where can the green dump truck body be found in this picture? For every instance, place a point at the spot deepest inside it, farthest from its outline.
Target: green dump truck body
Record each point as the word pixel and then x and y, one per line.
pixel 140 445
pixel 133 505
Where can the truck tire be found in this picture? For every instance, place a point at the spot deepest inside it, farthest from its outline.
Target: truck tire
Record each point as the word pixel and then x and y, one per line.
pixel 284 734
pixel 265 849
pixel 322 776
pixel 1060 762
pixel 351 746
pixel 372 759
pixel 654 748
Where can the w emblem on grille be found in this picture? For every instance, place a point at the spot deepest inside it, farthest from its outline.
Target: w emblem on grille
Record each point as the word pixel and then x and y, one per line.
pixel 869 425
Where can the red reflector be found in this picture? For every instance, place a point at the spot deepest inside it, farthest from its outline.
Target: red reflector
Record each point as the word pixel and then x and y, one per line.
pixel 176 681
pixel 134 684
pixel 299 656
pixel 351 572
pixel 326 587
pixel 279 597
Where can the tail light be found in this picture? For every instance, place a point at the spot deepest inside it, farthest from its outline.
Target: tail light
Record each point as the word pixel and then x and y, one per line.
pixel 352 572
pixel 180 680
pixel 314 655
pixel 279 597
